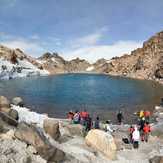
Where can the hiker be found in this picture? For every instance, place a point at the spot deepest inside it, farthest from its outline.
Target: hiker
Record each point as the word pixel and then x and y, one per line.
pixel 136 137
pixel 83 116
pixel 119 117
pixel 108 128
pixel 131 130
pixel 70 115
pixel 141 114
pixel 97 123
pixel 142 122
pixel 76 118
pixel 147 130
pixel 161 103
pixel 88 125
pixel 147 115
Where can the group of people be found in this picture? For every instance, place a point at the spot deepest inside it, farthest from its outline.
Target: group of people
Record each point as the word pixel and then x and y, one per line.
pixel 137 133
pixel 84 119
pixel 141 131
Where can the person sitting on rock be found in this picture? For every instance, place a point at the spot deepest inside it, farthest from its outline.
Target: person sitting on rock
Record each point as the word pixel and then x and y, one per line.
pixel 76 118
pixel 131 130
pixel 97 123
pixel 108 128
pixel 147 130
pixel 136 137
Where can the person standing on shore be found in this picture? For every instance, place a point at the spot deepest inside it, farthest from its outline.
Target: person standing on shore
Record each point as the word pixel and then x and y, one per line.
pixel 97 123
pixel 76 118
pixel 131 130
pixel 88 123
pixel 142 122
pixel 146 130
pixel 119 117
pixel 136 137
pixel 147 115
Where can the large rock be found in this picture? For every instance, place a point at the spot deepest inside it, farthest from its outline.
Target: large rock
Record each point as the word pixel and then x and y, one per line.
pixel 156 159
pixel 51 127
pixel 5 110
pixel 18 101
pixel 5 117
pixel 4 102
pixel 74 129
pixel 101 141
pixel 31 135
pixel 13 114
pixel 15 151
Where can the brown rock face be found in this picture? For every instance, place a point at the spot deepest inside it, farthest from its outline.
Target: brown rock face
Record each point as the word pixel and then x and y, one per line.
pixel 143 63
pixel 31 135
pixel 4 102
pixel 101 141
pixel 51 127
pixel 56 64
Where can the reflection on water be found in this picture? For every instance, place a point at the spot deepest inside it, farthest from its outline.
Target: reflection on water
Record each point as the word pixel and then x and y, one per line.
pixel 100 94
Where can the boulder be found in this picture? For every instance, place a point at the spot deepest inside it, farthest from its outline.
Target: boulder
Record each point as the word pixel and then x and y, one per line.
pixel 18 101
pixel 5 110
pixel 51 127
pixel 74 129
pixel 4 102
pixel 13 114
pixel 101 141
pixel 6 118
pixel 35 137
pixel 156 159
pixel 15 151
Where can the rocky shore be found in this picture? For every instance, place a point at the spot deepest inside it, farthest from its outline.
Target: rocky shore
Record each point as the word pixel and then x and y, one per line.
pixel 30 137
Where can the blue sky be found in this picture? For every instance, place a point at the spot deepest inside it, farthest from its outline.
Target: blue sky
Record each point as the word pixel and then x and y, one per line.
pixel 89 29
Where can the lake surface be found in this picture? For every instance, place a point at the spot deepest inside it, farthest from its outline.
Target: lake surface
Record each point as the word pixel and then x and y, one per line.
pixel 101 95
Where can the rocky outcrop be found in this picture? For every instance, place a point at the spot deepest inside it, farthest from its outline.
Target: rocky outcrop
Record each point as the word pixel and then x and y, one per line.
pixel 51 127
pixel 102 141
pixel 14 63
pixel 15 151
pixel 31 135
pixel 56 64
pixel 4 102
pixel 18 101
pixel 143 63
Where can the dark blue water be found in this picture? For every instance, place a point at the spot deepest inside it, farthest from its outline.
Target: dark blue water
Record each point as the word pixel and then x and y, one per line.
pixel 99 94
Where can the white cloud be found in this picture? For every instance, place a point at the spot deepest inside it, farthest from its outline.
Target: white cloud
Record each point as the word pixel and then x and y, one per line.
pixel 92 53
pixel 88 40
pixel 32 48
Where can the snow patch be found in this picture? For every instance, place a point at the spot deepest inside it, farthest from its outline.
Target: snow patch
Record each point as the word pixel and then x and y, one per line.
pixel 25 115
pixel 90 68
pixel 22 69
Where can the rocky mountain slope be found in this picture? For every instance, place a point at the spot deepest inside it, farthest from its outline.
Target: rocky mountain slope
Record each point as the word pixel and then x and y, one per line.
pixel 14 63
pixel 142 63
pixel 56 64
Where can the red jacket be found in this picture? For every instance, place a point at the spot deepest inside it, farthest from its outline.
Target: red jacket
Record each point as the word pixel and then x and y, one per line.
pixel 147 128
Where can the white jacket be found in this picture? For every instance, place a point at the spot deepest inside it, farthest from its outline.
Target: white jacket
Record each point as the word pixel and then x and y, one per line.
pixel 136 135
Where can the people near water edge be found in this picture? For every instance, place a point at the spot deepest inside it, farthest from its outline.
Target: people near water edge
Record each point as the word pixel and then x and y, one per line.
pixel 119 117
pixel 136 137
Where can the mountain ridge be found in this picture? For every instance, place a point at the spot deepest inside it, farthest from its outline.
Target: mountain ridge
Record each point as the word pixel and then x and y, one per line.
pixel 141 63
